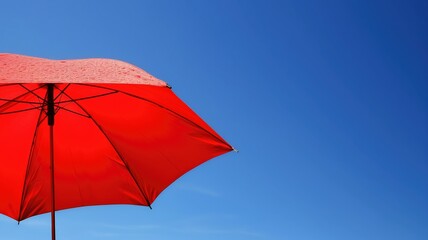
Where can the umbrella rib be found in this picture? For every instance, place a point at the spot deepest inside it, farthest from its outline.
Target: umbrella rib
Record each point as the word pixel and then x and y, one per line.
pixel 13 100
pixel 42 119
pixel 115 149
pixel 8 84
pixel 18 101
pixel 30 157
pixel 43 110
pixel 61 91
pixel 22 110
pixel 66 109
pixel 32 91
pixel 85 98
pixel 159 105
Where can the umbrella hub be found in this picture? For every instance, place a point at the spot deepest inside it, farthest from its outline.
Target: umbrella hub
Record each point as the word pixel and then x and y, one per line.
pixel 50 104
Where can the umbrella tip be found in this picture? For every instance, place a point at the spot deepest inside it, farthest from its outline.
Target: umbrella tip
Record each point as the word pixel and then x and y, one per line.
pixel 235 150
pixel 168 86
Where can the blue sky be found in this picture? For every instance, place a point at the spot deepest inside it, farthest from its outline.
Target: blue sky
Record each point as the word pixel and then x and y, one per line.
pixel 326 101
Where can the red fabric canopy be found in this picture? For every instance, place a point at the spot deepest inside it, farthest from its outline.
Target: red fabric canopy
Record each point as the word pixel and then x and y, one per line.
pixel 121 135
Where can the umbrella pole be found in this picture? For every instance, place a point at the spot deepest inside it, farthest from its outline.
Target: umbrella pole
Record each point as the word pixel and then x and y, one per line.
pixel 52 183
pixel 51 114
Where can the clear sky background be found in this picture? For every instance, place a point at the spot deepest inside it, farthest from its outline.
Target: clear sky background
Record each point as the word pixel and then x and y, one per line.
pixel 326 101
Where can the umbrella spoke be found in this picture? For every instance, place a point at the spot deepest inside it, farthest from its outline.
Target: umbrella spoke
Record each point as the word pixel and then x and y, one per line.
pixel 22 110
pixel 8 84
pixel 68 110
pixel 32 91
pixel 14 100
pixel 159 105
pixel 30 157
pixel 18 101
pixel 60 94
pixel 116 150
pixel 85 98
pixel 44 110
pixel 42 119
pixel 36 105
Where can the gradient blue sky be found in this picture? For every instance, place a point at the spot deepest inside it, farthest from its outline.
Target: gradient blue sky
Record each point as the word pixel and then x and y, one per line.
pixel 326 101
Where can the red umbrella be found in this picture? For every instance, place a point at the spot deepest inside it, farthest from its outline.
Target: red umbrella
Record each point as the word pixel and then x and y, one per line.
pixel 90 132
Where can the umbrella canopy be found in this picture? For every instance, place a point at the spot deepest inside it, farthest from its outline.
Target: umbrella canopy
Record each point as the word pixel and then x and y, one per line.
pixel 121 135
